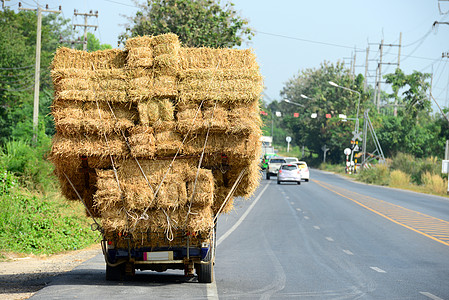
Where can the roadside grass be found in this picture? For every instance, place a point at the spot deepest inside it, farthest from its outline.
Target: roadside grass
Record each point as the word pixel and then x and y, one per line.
pixel 402 171
pixel 34 217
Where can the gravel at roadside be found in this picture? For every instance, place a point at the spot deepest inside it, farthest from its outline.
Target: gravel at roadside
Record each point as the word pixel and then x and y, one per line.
pixel 21 277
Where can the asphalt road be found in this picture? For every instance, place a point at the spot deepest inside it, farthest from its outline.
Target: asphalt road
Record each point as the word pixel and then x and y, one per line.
pixel 329 238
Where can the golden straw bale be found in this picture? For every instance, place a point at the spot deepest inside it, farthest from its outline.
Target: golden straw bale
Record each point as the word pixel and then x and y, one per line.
pixel 89 145
pixel 97 118
pixel 139 41
pixel 172 193
pixel 166 65
pixel 99 74
pixel 203 58
pixel 166 110
pixel 166 48
pixel 111 96
pixel 165 86
pixel 75 95
pixel 108 84
pixel 200 189
pixel 140 57
pixel 245 119
pixel 250 180
pixel 142 141
pixel 73 83
pixel 220 195
pixel 59 74
pixel 216 118
pixel 142 108
pixel 153 111
pixel 67 116
pixel 189 119
pixel 129 168
pixel 167 143
pixel 137 193
pixel 200 219
pixel 221 74
pixel 66 58
pixel 136 72
pixel 107 59
pixel 115 220
pixel 167 38
pixel 109 192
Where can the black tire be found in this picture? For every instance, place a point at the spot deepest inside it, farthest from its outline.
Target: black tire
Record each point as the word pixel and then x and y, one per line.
pixel 268 176
pixel 306 180
pixel 205 271
pixel 116 273
pixel 299 182
pixel 279 182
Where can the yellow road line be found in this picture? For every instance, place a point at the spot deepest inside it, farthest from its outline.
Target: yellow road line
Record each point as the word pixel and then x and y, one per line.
pixel 416 221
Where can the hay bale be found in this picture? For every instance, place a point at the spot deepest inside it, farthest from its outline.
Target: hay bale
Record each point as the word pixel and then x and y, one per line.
pixel 67 116
pixel 109 193
pixel 189 119
pixel 66 58
pixel 200 189
pixel 220 195
pixel 206 58
pixel 245 120
pixel 140 57
pixel 166 64
pixel 165 87
pixel 139 41
pixel 199 221
pixel 167 142
pixel 107 59
pixel 227 91
pixel 221 74
pixel 73 83
pixel 81 145
pixel 167 38
pixel 142 141
pixel 59 74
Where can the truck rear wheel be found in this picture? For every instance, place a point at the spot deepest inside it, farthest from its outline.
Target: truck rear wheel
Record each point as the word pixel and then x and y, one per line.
pixel 116 273
pixel 268 176
pixel 205 272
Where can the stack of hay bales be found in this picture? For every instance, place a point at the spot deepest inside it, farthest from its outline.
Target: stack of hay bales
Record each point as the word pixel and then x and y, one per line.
pixel 154 137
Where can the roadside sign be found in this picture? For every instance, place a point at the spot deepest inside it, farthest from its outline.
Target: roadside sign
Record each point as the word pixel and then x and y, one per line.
pixel 288 139
pixel 347 151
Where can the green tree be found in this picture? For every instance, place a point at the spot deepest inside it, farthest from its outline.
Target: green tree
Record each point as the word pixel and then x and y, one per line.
pixel 196 22
pixel 326 103
pixel 93 44
pixel 17 60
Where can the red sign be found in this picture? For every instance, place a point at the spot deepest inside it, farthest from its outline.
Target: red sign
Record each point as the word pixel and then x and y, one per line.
pixel 328 116
pixel 263 113
pixel 296 115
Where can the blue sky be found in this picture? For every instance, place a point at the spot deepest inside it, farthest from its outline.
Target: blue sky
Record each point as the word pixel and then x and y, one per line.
pixel 295 35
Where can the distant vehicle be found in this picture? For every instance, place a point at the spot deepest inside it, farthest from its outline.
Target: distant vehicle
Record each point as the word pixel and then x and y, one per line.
pixel 273 166
pixel 290 159
pixel 304 170
pixel 266 159
pixel 289 173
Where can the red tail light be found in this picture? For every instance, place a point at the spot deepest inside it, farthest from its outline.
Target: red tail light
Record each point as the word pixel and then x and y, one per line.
pixel 280 171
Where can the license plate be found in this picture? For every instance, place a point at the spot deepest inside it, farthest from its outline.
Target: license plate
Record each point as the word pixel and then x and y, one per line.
pixel 159 255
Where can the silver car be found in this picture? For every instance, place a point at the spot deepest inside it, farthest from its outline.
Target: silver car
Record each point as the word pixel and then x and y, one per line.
pixel 289 173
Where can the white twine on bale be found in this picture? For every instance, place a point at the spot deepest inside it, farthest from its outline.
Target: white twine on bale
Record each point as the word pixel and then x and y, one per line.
pixel 169 230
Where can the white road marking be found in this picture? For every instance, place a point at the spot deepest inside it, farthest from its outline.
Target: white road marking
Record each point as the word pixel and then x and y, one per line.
pixel 317 227
pixel 287 197
pixel 378 270
pixel 292 202
pixel 234 227
pixel 298 209
pixel 348 252
pixel 212 292
pixel 431 296
pixel 306 217
pixel 329 239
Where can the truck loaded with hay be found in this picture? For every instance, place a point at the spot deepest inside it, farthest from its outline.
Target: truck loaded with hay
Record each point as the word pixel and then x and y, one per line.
pixel 156 140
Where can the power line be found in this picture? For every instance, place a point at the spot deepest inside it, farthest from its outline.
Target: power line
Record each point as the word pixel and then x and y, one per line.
pixel 116 2
pixel 18 68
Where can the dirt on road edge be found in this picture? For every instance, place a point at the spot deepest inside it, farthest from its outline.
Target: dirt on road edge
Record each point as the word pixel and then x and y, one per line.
pixel 22 277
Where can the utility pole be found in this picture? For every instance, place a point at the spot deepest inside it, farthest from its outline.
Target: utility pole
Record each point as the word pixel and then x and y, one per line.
pixel 381 48
pixel 85 25
pixel 3 4
pixel 71 42
pixel 37 68
pixel 395 112
pixel 365 82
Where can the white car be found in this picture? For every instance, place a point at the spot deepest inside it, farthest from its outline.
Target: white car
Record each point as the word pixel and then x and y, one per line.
pixel 304 170
pixel 290 160
pixel 289 173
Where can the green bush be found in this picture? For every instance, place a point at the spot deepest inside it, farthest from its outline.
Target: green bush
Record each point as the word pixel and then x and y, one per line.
pixel 399 179
pixel 378 174
pixel 415 167
pixel 28 163
pixel 30 224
